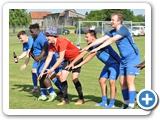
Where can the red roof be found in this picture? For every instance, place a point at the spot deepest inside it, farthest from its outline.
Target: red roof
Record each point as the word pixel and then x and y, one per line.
pixel 39 14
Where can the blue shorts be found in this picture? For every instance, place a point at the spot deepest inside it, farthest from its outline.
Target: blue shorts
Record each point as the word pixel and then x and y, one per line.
pixel 35 65
pixel 110 72
pixel 41 63
pixel 127 65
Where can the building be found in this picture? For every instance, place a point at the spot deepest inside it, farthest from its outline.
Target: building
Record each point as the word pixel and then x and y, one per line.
pixel 37 16
pixel 67 18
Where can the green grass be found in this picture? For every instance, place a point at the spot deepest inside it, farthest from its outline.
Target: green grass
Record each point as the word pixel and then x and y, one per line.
pixel 20 82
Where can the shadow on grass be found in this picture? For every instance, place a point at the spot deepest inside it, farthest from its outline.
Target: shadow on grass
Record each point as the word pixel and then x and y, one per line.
pixel 72 97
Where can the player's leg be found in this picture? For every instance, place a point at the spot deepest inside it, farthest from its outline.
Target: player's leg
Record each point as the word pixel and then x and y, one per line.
pixel 63 79
pixel 47 83
pixel 124 87
pixel 34 78
pixel 131 75
pixel 102 81
pixel 113 75
pixel 53 76
pixel 78 86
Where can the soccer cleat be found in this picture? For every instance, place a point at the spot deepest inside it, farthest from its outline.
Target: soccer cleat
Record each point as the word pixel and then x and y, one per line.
pixel 101 104
pixel 129 107
pixel 124 106
pixel 63 102
pixel 42 98
pixel 109 106
pixel 52 97
pixel 79 102
pixel 33 91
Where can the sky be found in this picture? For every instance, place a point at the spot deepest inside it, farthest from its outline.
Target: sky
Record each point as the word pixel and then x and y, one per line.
pixel 83 11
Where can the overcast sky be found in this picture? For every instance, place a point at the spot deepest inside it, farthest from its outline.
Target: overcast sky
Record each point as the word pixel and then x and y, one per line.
pixel 83 11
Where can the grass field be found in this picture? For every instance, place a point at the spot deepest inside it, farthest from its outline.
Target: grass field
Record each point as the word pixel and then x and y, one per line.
pixel 20 82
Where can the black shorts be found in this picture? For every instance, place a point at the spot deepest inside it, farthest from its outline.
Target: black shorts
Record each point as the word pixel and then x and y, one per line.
pixel 67 62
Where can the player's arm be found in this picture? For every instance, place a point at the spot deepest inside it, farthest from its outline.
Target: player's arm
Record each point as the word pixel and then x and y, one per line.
pixel 141 65
pixel 47 62
pixel 44 50
pixel 107 42
pixel 58 62
pixel 81 55
pixel 96 42
pixel 87 59
pixel 24 53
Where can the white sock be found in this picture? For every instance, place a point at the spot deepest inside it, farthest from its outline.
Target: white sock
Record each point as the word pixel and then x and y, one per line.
pixel 126 102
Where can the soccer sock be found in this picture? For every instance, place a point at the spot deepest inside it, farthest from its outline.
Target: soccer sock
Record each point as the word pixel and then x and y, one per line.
pixel 79 89
pixel 57 83
pixel 112 101
pixel 125 95
pixel 132 96
pixel 64 90
pixel 50 90
pixel 104 99
pixel 43 91
pixel 34 79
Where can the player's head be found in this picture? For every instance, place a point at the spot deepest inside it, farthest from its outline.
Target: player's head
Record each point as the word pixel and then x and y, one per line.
pixel 22 36
pixel 90 36
pixel 116 19
pixel 34 30
pixel 51 34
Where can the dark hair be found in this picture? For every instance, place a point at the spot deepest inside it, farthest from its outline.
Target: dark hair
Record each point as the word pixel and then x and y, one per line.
pixel 34 26
pixel 21 33
pixel 92 32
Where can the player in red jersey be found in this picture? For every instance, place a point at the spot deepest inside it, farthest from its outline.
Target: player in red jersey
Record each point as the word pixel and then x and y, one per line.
pixel 67 52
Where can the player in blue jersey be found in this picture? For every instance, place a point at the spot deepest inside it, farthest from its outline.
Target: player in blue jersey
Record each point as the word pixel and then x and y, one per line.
pixel 130 57
pixel 39 53
pixel 27 45
pixel 110 71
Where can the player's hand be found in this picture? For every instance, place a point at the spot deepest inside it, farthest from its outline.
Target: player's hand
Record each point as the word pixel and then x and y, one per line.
pixel 140 66
pixel 49 72
pixel 23 67
pixel 85 49
pixel 94 50
pixel 77 66
pixel 69 66
pixel 40 75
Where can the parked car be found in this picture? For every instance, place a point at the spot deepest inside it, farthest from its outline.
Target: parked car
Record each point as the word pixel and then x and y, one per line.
pixel 141 29
pixel 135 32
pixel 63 31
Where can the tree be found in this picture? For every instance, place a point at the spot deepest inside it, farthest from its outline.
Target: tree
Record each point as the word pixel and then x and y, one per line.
pixel 18 17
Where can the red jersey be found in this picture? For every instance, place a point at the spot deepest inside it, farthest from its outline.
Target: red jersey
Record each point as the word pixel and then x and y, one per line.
pixel 63 44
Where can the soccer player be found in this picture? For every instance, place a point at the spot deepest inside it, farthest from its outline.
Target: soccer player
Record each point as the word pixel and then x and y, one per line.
pixel 39 53
pixel 27 45
pixel 110 71
pixel 67 52
pixel 130 57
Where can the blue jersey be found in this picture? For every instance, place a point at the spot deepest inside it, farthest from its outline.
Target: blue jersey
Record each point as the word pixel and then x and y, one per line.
pixel 39 43
pixel 107 55
pixel 28 45
pixel 125 45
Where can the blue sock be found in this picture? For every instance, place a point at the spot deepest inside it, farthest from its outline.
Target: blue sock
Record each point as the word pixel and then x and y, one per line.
pixel 125 94
pixel 43 91
pixel 34 79
pixel 50 90
pixel 57 83
pixel 112 101
pixel 132 96
pixel 104 98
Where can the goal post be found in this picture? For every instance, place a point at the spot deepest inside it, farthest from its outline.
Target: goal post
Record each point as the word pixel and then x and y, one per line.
pixel 101 27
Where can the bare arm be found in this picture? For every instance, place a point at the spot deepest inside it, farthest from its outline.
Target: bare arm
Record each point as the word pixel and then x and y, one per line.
pixel 22 55
pixel 96 42
pixel 81 55
pixel 87 59
pixel 107 42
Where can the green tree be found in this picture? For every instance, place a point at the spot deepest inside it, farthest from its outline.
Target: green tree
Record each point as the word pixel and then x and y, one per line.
pixel 18 17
